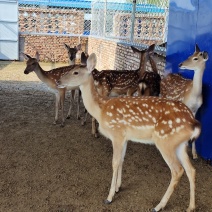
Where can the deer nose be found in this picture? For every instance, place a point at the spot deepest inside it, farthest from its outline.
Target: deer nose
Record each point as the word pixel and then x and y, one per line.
pixel 26 72
pixel 180 65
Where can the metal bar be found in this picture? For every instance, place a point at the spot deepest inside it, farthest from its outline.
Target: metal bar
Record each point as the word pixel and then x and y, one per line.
pixel 7 21
pixel 5 39
pixel 133 21
pixel 3 1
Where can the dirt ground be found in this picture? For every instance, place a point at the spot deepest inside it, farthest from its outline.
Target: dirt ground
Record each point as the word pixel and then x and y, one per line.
pixel 46 168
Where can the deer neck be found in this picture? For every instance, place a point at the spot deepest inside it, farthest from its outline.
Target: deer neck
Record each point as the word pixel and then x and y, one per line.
pixel 197 81
pixel 40 73
pixel 142 67
pixel 91 99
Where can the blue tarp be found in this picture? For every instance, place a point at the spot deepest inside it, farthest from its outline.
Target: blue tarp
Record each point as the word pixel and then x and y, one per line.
pixel 82 4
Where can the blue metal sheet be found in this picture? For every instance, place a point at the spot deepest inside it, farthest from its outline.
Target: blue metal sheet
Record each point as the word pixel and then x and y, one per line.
pixel 190 22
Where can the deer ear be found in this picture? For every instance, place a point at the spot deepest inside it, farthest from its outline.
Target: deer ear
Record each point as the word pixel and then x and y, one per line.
pixel 37 56
pixel 151 48
pixel 197 49
pixel 205 55
pixel 26 56
pixel 66 46
pixel 78 47
pixel 91 62
pixel 135 49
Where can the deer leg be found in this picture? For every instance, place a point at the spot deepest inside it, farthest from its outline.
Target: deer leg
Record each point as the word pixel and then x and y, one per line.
pixel 78 104
pixel 84 118
pixel 71 104
pixel 118 183
pixel 194 152
pixel 94 128
pixel 62 99
pixel 118 149
pixel 57 103
pixel 190 172
pixel 176 172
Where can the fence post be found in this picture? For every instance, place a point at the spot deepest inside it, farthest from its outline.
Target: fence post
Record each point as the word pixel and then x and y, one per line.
pixel 105 18
pixel 133 21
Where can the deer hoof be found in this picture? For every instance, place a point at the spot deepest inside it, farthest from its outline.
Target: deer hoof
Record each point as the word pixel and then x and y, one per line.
pixel 107 202
pixel 96 135
pixel 153 210
pixel 68 117
pixel 62 125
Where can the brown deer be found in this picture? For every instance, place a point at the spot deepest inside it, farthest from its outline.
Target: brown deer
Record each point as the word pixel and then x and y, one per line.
pixel 50 78
pixel 152 120
pixel 120 82
pixel 175 87
pixel 149 81
pixel 72 52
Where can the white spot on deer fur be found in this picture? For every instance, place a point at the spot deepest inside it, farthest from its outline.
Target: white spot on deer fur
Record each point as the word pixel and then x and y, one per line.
pixel 178 120
pixel 112 107
pixel 109 114
pixel 113 121
pixel 184 120
pixel 162 131
pixel 167 112
pixel 170 122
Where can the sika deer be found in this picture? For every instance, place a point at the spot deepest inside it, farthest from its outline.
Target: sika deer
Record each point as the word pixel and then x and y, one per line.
pixel 117 82
pixel 121 82
pixel 152 120
pixel 188 91
pixel 50 78
pixel 72 52
pixel 149 82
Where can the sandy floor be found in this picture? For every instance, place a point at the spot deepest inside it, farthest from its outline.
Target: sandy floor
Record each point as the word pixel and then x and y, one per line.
pixel 44 167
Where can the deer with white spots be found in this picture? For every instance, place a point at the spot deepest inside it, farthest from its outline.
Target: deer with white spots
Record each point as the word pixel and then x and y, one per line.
pixel 152 120
pixel 121 82
pixel 118 82
pixel 149 81
pixel 50 78
pixel 175 87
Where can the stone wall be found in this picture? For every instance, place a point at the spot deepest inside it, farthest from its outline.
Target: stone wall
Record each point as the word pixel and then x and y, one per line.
pixel 51 48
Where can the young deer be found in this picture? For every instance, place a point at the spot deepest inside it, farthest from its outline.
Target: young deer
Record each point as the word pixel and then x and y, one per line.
pixel 188 91
pixel 72 52
pixel 50 78
pixel 152 120
pixel 149 82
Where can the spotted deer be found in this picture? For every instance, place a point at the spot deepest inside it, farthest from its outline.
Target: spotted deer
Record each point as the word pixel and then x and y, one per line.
pixel 151 120
pixel 50 78
pixel 120 82
pixel 149 81
pixel 176 87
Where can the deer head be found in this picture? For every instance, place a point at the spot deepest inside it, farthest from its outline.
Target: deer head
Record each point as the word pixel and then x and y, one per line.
pixel 32 63
pixel 78 75
pixel 72 52
pixel 195 61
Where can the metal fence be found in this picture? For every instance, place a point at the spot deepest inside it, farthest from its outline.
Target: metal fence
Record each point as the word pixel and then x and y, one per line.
pixel 128 21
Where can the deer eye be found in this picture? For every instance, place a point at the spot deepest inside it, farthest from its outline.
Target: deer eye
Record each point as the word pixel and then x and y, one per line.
pixel 75 73
pixel 195 58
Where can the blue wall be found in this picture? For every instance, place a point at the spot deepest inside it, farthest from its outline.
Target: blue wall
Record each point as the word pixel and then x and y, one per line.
pixel 190 22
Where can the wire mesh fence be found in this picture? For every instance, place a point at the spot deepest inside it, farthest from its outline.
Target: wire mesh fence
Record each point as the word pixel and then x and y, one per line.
pixel 128 21
pixel 55 17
